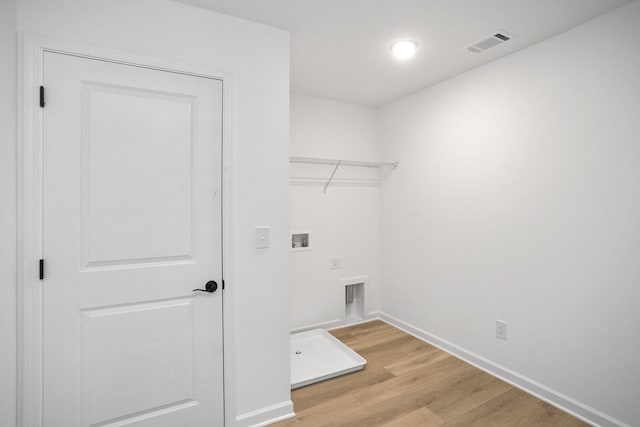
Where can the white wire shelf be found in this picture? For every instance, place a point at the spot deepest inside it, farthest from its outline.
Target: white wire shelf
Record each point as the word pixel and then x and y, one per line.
pixel 315 171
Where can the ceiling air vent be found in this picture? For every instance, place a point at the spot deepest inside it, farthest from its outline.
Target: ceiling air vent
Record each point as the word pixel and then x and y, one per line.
pixel 489 42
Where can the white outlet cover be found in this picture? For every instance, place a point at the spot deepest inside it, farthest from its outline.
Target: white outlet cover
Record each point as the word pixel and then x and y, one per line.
pixel 335 263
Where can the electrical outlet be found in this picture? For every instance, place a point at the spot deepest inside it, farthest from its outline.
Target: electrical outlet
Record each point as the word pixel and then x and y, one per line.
pixel 501 329
pixel 335 263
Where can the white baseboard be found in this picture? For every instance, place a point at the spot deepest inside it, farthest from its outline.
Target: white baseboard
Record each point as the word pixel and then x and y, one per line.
pixel 553 397
pixel 336 323
pixel 345 324
pixel 322 325
pixel 265 416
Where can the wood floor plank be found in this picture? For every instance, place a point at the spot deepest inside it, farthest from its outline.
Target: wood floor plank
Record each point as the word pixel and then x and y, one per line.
pixel 329 413
pixel 420 417
pixel 498 411
pixel 306 397
pixel 467 394
pixel 417 361
pixel 432 380
pixel 408 382
pixel 542 414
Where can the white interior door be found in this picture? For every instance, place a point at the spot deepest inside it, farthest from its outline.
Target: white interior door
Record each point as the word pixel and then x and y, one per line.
pixel 131 225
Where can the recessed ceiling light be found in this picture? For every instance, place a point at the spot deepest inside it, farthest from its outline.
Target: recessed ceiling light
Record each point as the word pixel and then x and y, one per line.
pixel 404 49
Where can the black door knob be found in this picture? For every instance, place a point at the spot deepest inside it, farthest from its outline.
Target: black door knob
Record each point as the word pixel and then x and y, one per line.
pixel 210 287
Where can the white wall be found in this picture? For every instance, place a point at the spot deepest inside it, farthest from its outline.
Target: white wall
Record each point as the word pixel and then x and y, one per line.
pixel 518 198
pixel 7 212
pixel 258 57
pixel 344 221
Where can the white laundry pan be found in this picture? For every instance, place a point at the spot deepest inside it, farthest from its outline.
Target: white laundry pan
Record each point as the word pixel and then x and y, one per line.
pixel 317 356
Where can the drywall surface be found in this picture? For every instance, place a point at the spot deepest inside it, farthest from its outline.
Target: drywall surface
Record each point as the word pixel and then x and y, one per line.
pixel 257 57
pixel 8 213
pixel 518 198
pixel 344 222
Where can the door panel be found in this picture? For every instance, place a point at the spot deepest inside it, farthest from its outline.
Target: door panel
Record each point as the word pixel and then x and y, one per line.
pixel 117 341
pixel 131 225
pixel 140 214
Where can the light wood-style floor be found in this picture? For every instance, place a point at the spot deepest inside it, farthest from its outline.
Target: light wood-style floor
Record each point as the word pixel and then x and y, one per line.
pixel 407 382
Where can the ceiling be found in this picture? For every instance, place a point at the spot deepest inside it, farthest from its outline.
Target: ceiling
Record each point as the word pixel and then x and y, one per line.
pixel 340 49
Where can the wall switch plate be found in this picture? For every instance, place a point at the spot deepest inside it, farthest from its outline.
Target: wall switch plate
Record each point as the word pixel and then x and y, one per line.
pixel 501 329
pixel 335 263
pixel 262 237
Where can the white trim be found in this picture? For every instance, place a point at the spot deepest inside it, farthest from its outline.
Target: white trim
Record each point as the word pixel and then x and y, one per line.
pixel 367 320
pixel 29 162
pixel 228 222
pixel 553 397
pixel 334 324
pixel 330 324
pixel 29 237
pixel 265 416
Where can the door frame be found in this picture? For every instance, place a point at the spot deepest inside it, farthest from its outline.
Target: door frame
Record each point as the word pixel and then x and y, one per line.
pixel 31 51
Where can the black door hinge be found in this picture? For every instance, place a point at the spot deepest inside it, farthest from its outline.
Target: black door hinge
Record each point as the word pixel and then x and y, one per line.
pixel 41 269
pixel 223 284
pixel 42 103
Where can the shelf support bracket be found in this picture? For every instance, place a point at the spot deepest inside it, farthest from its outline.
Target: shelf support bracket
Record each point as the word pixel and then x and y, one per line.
pixel 331 177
